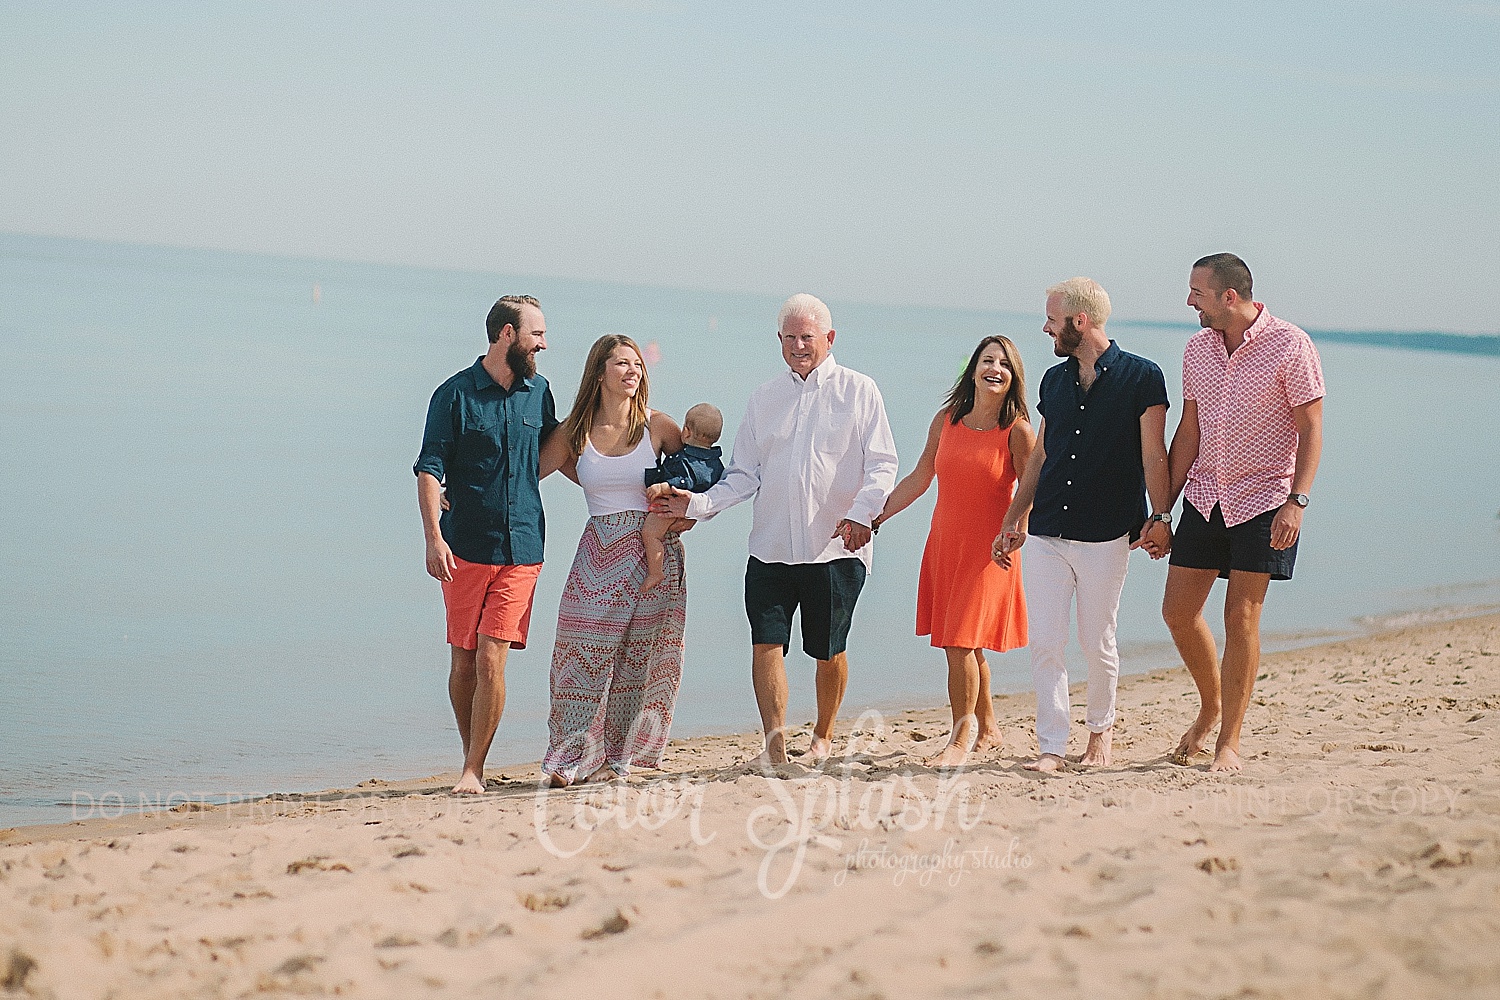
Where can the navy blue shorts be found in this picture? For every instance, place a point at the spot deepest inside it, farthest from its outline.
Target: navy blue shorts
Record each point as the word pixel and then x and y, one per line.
pixel 826 592
pixel 1200 544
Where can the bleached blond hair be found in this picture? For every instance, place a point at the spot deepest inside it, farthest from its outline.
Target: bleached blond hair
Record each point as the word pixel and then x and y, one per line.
pixel 1083 295
pixel 809 306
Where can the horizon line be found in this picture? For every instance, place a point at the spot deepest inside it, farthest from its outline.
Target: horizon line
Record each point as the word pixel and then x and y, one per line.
pixel 1442 340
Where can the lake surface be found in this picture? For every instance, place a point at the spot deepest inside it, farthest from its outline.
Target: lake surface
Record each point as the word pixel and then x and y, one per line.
pixel 211 574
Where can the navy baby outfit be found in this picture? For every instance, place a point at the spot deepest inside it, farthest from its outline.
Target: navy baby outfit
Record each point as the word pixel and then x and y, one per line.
pixel 693 469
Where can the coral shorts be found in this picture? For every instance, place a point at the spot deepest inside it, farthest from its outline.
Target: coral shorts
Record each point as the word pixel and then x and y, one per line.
pixel 489 600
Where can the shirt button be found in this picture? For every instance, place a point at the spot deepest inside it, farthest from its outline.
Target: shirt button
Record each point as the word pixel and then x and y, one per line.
pixel 1079 431
pixel 1065 506
pixel 1072 456
pixel 1080 406
pixel 1070 482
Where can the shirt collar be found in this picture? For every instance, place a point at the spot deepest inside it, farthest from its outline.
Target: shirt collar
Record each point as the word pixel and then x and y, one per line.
pixel 1261 322
pixel 482 379
pixel 1109 357
pixel 818 375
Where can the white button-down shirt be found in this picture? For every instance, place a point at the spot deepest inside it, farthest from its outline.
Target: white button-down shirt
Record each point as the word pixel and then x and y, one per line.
pixel 811 453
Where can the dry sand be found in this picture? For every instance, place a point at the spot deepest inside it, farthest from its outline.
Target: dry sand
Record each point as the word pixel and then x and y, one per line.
pixel 1357 855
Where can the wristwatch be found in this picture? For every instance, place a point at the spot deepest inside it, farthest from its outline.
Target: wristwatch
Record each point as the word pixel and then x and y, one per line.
pixel 1300 499
pixel 1165 518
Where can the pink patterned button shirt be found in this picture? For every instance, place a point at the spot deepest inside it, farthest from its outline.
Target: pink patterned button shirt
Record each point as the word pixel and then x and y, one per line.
pixel 1247 438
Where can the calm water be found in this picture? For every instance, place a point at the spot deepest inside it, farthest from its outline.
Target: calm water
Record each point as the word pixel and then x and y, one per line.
pixel 211 563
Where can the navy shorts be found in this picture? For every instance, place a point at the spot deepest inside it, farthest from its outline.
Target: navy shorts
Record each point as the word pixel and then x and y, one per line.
pixel 1200 544
pixel 826 592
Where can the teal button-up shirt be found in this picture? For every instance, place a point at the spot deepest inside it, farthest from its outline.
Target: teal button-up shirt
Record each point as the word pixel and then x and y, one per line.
pixel 483 442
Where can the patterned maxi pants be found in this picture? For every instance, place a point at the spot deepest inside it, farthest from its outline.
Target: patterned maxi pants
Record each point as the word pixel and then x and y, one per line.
pixel 618 657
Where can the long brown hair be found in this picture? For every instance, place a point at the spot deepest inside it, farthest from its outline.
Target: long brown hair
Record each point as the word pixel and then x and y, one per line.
pixel 591 391
pixel 961 397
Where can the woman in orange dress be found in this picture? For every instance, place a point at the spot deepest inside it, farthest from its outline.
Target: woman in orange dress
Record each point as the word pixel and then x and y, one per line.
pixel 975 446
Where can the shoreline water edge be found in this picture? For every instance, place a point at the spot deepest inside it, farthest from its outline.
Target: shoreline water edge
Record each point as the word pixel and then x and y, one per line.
pixel 1356 854
pixel 116 805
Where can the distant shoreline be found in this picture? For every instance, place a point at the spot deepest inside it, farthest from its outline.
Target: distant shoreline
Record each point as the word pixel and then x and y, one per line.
pixel 1487 344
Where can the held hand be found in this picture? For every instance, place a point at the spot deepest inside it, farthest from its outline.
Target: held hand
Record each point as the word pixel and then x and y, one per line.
pixel 673 504
pixel 683 524
pixel 1008 541
pixel 1156 539
pixel 855 535
pixel 1286 526
pixel 443 499
pixel 440 561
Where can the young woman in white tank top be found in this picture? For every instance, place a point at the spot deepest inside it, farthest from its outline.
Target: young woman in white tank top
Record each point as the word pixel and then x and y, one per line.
pixel 618 654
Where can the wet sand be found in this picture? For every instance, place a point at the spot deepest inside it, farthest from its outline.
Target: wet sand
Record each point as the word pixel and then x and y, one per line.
pixel 1358 854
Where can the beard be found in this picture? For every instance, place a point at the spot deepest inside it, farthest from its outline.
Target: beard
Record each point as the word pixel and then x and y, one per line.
pixel 1067 342
pixel 522 363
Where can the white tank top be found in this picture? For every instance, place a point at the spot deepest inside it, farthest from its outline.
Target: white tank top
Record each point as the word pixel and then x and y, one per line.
pixel 615 483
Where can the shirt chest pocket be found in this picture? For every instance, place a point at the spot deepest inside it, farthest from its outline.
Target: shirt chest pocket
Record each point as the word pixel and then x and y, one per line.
pixel 834 429
pixel 479 443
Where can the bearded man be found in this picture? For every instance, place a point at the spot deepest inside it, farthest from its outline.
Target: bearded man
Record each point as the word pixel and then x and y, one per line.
pixel 485 428
pixel 1100 449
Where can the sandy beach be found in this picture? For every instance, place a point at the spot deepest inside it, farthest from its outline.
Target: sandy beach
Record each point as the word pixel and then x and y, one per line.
pixel 1358 854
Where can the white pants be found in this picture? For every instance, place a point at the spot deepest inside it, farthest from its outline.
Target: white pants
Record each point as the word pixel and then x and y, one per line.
pixel 1055 570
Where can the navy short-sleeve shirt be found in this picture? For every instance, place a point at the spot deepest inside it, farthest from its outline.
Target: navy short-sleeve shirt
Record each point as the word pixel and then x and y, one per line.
pixel 483 441
pixel 1093 486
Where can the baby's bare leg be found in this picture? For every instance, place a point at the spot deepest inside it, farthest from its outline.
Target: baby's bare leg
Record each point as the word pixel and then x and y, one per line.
pixel 653 535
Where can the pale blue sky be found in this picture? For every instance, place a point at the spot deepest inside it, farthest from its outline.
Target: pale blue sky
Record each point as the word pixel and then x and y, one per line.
pixel 968 154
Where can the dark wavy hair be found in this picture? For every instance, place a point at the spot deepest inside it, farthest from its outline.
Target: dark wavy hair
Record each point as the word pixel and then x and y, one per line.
pixel 961 397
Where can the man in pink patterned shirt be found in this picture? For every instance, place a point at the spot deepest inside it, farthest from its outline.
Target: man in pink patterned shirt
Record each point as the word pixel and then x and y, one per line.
pixel 1246 449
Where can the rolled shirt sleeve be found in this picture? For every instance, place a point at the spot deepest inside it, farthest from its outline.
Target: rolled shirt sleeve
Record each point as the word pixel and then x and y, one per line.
pixel 438 435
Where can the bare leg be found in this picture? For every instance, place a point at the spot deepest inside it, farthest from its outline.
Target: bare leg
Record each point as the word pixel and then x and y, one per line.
pixel 984 708
pixel 1243 603
pixel 461 691
pixel 963 692
pixel 476 687
pixel 1182 610
pixel 768 672
pixel 833 678
pixel 653 533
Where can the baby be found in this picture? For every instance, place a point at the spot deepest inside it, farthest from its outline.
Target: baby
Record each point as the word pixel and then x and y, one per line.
pixel 695 468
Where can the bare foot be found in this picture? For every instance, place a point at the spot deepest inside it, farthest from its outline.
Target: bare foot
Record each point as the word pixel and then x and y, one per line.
pixel 559 779
pixel 608 772
pixel 1195 740
pixel 1225 761
pixel 1097 753
pixel 953 755
pixel 768 758
pixel 818 751
pixel 989 739
pixel 1047 763
pixel 651 580
pixel 469 784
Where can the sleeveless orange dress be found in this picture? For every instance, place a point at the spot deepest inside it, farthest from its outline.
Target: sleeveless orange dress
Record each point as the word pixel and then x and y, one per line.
pixel 963 598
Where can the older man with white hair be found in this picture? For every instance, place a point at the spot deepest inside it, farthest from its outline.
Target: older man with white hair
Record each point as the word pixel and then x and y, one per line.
pixel 1100 449
pixel 816 453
